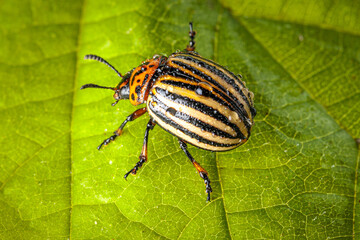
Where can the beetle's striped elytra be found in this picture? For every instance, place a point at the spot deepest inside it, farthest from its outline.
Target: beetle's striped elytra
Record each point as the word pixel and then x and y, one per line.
pixel 193 98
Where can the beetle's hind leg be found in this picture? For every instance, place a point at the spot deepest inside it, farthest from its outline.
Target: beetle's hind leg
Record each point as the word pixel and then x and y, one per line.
pixel 143 155
pixel 202 172
pixel 192 33
pixel 139 112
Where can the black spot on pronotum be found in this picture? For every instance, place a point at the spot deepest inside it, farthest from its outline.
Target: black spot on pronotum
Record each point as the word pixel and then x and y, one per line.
pixel 137 89
pixel 132 97
pixel 146 78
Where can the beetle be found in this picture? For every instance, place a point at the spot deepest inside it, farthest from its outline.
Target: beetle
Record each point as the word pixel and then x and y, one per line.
pixel 191 97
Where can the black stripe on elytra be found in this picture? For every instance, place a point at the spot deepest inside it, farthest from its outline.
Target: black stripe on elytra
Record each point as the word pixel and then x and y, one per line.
pixel 216 64
pixel 216 71
pixel 201 92
pixel 181 74
pixel 194 121
pixel 243 114
pixel 176 72
pixel 211 112
pixel 168 121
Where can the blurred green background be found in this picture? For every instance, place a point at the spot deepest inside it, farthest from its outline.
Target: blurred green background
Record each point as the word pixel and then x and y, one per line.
pixel 296 178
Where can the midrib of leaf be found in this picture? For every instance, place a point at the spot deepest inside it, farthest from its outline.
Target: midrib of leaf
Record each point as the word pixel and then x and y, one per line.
pixel 315 100
pixel 72 113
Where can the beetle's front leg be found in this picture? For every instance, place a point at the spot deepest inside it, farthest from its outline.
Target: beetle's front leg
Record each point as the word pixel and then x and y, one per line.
pixel 143 156
pixel 139 112
pixel 202 172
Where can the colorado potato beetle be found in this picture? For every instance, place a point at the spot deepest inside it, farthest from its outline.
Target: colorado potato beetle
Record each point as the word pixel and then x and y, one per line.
pixel 193 98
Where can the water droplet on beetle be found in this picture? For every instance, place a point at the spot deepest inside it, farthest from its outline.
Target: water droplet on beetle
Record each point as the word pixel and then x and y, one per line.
pixel 236 116
pixel 199 91
pixel 206 86
pixel 170 112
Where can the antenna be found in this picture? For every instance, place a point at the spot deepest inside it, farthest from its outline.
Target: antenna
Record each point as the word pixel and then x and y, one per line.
pixel 100 59
pixel 91 85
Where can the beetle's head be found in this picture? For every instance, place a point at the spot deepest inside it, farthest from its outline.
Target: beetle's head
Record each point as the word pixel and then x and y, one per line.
pixel 121 90
pixel 135 85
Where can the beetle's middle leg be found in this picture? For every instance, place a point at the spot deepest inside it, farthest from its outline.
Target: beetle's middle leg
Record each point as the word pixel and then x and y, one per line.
pixel 143 156
pixel 202 172
pixel 139 112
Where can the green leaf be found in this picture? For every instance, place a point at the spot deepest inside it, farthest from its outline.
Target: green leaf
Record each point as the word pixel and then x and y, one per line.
pixel 296 178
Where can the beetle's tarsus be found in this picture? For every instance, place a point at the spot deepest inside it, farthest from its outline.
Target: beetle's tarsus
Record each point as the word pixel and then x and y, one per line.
pixel 107 141
pixel 207 185
pixel 127 174
pixel 137 166
pixel 202 172
pixel 192 33
pixel 143 155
